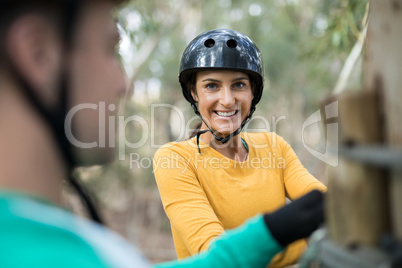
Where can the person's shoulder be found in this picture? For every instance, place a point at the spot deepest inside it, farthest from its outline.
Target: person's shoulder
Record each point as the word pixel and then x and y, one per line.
pixel 48 236
pixel 264 138
pixel 183 148
pixel 39 242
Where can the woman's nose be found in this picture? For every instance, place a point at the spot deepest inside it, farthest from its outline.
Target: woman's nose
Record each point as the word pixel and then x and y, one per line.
pixel 227 98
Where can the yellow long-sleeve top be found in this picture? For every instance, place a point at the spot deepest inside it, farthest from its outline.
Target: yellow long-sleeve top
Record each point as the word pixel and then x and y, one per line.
pixel 204 194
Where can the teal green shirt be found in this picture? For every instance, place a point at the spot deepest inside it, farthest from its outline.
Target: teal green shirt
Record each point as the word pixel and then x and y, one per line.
pixel 35 233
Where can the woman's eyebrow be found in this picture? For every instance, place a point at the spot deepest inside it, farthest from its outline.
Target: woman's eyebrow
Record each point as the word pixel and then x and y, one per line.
pixel 210 80
pixel 215 80
pixel 240 78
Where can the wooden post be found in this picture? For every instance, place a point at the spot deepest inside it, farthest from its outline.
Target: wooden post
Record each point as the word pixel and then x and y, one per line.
pixel 356 200
pixel 383 70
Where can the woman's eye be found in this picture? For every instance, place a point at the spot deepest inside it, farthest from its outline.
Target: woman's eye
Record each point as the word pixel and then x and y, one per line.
pixel 211 86
pixel 239 85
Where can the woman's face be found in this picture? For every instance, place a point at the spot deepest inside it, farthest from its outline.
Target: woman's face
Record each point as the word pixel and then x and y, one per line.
pixel 224 99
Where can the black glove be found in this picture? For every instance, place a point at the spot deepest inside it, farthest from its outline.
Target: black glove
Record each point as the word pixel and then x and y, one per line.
pixel 296 220
pixel 394 248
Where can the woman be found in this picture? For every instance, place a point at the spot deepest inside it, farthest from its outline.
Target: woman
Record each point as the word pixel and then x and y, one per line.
pixel 221 177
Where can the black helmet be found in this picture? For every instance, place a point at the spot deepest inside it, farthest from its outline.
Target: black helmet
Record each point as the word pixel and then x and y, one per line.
pixel 222 49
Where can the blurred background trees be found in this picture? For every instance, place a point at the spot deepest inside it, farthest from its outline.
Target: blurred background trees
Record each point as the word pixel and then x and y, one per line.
pixel 304 46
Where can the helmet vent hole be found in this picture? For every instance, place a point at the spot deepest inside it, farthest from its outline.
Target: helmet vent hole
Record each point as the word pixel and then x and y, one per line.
pixel 231 43
pixel 209 43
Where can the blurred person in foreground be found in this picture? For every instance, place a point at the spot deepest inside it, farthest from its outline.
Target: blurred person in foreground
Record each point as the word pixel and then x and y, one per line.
pixel 57 58
pixel 218 179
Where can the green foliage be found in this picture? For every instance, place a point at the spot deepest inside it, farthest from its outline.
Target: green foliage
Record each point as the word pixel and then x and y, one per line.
pixel 344 19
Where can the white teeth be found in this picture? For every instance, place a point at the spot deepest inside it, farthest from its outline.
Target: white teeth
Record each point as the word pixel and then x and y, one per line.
pixel 226 114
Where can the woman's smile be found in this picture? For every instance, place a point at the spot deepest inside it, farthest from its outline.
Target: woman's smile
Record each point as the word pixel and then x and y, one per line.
pixel 226 114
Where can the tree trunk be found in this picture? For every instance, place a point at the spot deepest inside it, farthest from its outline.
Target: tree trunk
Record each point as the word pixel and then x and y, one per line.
pixel 383 71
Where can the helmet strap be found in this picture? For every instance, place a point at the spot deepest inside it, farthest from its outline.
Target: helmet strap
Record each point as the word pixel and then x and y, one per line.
pixel 220 139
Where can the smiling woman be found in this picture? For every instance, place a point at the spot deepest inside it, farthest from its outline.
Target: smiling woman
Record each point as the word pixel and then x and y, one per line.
pixel 221 177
